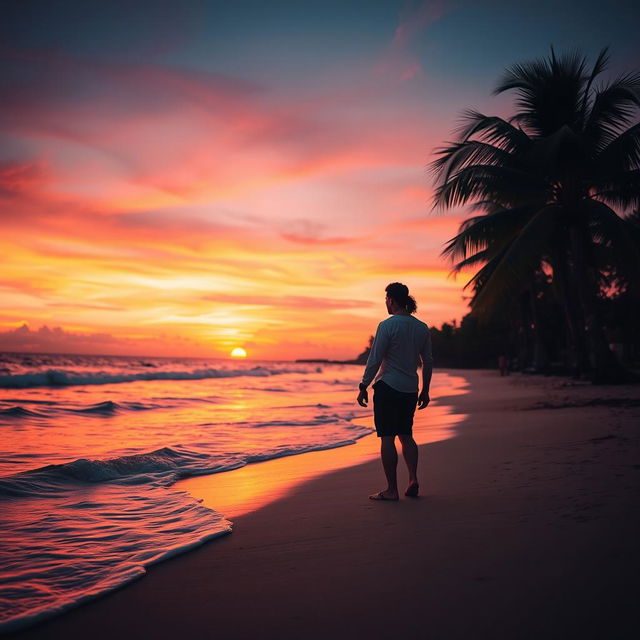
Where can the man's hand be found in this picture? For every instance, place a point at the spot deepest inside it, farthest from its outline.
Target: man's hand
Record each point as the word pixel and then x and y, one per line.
pixel 423 400
pixel 363 398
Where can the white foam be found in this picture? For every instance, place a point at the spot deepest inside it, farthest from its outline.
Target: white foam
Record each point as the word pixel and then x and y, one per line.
pixel 103 543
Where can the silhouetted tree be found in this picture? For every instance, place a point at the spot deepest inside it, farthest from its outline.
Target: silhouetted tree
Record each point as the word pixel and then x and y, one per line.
pixel 553 185
pixel 362 357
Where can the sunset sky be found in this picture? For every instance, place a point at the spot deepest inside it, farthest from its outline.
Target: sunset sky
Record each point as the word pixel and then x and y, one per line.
pixel 188 177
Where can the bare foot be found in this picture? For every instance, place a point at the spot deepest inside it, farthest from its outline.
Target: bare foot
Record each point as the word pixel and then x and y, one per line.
pixel 385 495
pixel 412 490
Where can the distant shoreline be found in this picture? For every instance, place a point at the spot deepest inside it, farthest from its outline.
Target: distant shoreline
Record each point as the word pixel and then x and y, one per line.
pixel 326 361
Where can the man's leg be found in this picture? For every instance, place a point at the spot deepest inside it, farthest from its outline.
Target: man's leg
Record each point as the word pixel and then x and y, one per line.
pixel 389 457
pixel 410 454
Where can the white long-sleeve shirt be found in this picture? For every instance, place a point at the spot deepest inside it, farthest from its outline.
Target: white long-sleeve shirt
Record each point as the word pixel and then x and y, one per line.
pixel 401 344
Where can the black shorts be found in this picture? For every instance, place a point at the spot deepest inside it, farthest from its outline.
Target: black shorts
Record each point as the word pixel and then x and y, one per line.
pixel 393 410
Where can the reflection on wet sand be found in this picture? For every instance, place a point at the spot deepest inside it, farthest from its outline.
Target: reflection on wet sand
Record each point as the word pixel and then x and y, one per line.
pixel 252 487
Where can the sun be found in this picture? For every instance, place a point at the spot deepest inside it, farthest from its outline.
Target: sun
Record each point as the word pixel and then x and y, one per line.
pixel 238 352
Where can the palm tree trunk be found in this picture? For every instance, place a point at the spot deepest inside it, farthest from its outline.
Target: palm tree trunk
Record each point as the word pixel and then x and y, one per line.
pixel 603 365
pixel 566 297
pixel 540 352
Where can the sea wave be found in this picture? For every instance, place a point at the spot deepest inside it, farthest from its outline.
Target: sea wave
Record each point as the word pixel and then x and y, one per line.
pixel 63 551
pixel 65 378
pixel 108 407
pixel 124 506
pixel 160 468
pixel 20 412
pixel 105 408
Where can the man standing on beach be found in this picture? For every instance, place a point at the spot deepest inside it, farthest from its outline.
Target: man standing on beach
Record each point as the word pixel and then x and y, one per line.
pixel 401 343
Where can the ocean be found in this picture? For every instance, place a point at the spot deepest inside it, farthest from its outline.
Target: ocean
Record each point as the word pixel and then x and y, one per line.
pixel 91 446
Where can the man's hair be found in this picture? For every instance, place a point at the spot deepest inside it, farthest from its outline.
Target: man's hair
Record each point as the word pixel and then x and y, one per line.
pixel 400 294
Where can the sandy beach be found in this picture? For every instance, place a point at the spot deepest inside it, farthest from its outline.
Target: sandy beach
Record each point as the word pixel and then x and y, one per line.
pixel 527 527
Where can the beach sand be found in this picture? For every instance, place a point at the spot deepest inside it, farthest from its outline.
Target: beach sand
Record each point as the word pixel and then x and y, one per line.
pixel 527 527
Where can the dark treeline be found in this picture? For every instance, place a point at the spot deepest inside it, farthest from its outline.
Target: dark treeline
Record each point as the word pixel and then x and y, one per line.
pixel 533 337
pixel 532 334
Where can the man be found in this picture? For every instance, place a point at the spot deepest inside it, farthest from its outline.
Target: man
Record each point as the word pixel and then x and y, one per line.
pixel 401 343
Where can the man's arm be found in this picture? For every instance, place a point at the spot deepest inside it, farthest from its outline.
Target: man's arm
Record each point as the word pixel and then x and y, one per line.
pixel 427 371
pixel 423 398
pixel 378 349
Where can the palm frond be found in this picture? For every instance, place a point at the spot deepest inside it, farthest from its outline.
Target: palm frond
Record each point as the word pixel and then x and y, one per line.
pixel 470 152
pixel 548 91
pixel 634 218
pixel 503 185
pixel 599 66
pixel 486 206
pixel 493 130
pixel 610 230
pixel 478 233
pixel 521 258
pixel 622 153
pixel 613 109
pixel 482 276
pixel 621 190
pixel 476 258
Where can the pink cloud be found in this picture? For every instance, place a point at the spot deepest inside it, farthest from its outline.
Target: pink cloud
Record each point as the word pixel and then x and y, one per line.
pixel 112 128
pixel 398 60
pixel 415 19
pixel 21 178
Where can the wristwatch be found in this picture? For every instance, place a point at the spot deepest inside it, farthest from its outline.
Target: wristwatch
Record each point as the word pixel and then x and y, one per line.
pixel 362 386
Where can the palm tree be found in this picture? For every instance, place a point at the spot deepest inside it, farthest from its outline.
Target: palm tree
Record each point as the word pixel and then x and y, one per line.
pixel 552 186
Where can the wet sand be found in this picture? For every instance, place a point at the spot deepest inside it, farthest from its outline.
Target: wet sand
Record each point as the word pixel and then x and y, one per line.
pixel 527 527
